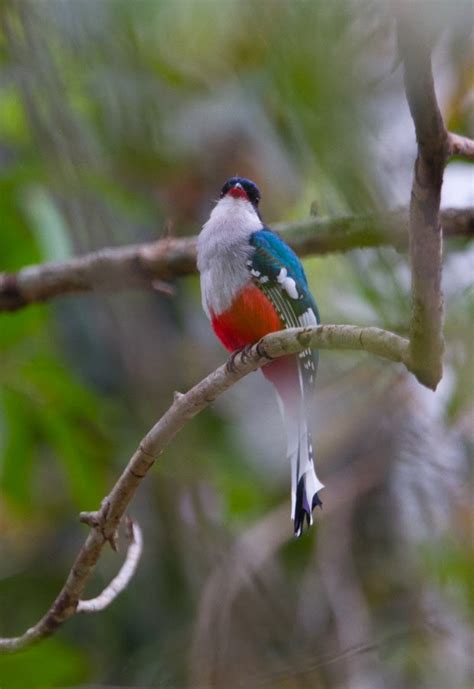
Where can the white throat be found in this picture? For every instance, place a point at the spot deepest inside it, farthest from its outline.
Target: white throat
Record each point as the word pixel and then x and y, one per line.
pixel 222 252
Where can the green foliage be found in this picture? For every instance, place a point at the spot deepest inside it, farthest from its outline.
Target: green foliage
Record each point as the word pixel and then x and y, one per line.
pixel 448 564
pixel 35 429
pixel 52 663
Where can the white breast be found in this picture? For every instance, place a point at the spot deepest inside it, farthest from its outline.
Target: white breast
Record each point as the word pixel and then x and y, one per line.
pixel 223 250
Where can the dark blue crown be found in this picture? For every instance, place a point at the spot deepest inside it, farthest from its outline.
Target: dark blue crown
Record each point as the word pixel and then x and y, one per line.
pixel 247 185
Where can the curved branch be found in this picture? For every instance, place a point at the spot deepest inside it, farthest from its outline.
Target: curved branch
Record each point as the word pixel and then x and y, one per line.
pixel 144 265
pixel 105 521
pixel 123 578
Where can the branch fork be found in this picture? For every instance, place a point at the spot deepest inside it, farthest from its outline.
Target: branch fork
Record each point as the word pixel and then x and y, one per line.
pixel 97 520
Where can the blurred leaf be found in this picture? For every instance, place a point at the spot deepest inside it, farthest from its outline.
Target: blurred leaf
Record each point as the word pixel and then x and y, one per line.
pixel 48 225
pixel 62 415
pixel 18 447
pixel 449 564
pixel 50 664
pixel 13 125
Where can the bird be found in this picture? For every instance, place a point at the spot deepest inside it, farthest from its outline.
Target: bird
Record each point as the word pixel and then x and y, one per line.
pixel 252 284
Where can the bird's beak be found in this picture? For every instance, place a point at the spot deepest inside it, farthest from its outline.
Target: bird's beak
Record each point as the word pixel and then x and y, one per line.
pixel 238 192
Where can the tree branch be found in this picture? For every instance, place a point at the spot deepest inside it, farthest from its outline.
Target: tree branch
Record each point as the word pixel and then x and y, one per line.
pixel 460 146
pixel 105 521
pixel 145 265
pixel 108 269
pixel 426 336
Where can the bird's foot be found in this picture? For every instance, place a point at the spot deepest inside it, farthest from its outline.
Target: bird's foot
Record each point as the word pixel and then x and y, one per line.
pixel 244 353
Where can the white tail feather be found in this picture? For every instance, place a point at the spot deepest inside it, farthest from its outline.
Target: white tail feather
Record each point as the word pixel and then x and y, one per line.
pixel 305 485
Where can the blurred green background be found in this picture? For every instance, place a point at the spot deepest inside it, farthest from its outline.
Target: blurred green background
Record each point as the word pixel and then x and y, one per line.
pixel 119 122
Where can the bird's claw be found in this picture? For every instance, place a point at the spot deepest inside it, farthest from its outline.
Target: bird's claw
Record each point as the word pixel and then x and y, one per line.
pixel 244 353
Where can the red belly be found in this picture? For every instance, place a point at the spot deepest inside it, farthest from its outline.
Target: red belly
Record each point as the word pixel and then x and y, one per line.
pixel 251 316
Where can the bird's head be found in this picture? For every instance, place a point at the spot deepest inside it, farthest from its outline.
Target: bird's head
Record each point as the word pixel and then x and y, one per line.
pixel 241 188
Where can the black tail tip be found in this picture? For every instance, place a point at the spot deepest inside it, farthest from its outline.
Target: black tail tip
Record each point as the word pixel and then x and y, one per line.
pixel 303 511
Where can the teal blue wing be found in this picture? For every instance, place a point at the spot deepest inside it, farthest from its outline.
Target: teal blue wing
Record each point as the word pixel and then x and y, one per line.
pixel 277 271
pixel 272 256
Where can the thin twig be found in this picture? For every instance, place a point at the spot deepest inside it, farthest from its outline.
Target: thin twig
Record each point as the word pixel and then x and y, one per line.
pixel 121 581
pixel 105 521
pixel 150 266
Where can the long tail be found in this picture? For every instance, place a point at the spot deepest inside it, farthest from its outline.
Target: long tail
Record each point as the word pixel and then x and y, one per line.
pixel 305 485
pixel 287 374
